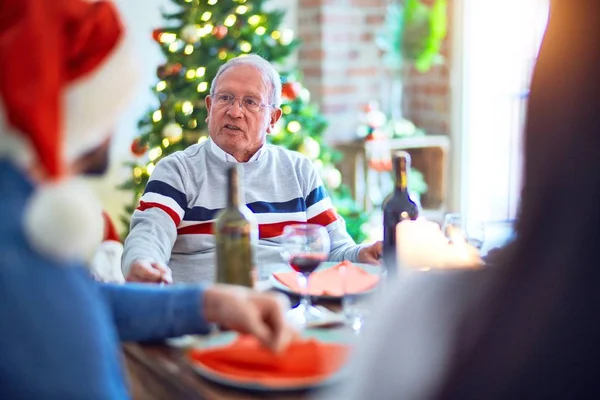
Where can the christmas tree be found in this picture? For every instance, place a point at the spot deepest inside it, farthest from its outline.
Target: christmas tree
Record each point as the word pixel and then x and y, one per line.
pixel 196 40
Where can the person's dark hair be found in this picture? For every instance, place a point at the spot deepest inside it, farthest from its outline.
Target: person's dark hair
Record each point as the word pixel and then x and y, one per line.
pixel 538 327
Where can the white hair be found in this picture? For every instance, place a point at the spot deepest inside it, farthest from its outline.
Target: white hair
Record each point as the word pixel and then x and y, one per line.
pixel 270 74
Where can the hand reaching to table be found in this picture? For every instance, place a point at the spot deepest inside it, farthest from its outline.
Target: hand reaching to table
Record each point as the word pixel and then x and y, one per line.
pixel 371 254
pixel 247 311
pixel 149 271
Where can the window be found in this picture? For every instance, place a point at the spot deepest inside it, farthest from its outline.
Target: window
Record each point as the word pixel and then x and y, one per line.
pixel 500 43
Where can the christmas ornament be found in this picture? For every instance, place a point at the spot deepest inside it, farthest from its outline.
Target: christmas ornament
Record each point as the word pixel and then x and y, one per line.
pixel 291 90
pixel 156 34
pixel 219 31
pixel 191 33
pixel 332 177
pixel 310 148
pixel 161 72
pixel 137 149
pixel 168 70
pixel 172 131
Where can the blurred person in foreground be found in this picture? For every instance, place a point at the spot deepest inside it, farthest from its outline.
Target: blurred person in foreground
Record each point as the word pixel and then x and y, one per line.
pixel 66 72
pixel 528 328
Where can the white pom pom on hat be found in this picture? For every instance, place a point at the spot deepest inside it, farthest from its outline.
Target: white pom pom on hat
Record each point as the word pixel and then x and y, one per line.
pixel 64 220
pixel 58 104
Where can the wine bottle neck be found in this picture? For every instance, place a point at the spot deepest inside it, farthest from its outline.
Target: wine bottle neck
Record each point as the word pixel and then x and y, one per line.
pixel 401 171
pixel 233 194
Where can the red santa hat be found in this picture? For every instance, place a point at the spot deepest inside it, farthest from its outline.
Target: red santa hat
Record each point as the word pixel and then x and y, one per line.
pixel 67 72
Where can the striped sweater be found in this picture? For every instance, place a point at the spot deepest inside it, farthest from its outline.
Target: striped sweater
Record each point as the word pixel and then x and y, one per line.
pixel 173 223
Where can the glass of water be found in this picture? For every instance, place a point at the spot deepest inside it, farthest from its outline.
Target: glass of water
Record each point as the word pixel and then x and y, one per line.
pixel 472 229
pixel 357 307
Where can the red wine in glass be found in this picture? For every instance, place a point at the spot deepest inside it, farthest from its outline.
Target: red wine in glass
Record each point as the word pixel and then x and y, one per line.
pixel 306 263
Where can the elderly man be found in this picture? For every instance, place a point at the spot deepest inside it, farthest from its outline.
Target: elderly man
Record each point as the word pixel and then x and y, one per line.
pixel 173 223
pixel 60 329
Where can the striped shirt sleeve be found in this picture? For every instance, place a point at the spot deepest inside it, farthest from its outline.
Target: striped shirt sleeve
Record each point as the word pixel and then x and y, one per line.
pixel 154 223
pixel 320 210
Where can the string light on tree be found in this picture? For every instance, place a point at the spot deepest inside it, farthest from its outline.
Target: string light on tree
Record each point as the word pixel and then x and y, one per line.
pixel 206 16
pixel 190 74
pixel 154 153
pixel 260 30
pixel 160 86
pixel 149 169
pixel 310 148
pixel 254 20
pixel 286 37
pixel 294 126
pixel 245 47
pixel 202 87
pixel 241 10
pixel 172 131
pixel 191 33
pixel 206 29
pixel 157 116
pixel 173 47
pixel 230 20
pixel 187 107
pixel 163 37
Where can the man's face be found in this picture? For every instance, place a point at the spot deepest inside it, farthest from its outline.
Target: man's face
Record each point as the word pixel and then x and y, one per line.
pixel 239 131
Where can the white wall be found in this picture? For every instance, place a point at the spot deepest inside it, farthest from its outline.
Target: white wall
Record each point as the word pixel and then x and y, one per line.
pixel 141 17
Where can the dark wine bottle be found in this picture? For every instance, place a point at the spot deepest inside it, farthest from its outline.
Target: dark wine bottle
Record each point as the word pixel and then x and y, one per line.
pixel 397 207
pixel 236 234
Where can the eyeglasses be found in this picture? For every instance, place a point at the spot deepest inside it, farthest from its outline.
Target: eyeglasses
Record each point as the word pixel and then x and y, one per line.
pixel 249 103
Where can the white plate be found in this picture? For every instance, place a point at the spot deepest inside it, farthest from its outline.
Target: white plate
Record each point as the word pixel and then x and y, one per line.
pixel 223 339
pixel 371 269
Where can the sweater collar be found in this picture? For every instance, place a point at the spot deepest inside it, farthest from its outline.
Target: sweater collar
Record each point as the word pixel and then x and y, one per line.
pixel 224 156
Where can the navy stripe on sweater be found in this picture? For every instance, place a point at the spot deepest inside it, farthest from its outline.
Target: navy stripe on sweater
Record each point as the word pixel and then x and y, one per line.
pixel 165 189
pixel 316 196
pixel 290 206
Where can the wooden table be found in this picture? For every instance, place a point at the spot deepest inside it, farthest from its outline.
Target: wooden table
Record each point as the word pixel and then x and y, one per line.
pixel 160 372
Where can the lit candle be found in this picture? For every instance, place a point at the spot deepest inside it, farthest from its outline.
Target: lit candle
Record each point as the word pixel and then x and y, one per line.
pixel 421 245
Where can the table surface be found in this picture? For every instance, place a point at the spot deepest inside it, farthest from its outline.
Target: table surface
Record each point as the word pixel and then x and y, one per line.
pixel 160 371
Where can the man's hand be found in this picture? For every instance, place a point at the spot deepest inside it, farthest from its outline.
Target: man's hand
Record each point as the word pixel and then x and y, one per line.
pixel 371 254
pixel 149 271
pixel 247 311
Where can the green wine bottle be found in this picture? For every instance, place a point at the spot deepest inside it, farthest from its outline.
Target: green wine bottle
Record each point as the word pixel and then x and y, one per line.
pixel 236 234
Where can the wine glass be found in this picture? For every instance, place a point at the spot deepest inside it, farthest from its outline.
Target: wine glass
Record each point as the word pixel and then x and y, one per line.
pixel 305 247
pixel 472 229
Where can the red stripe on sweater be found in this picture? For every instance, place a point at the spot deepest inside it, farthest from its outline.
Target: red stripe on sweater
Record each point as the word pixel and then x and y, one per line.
pixel 268 231
pixel 204 228
pixel 325 218
pixel 144 205
pixel 265 231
